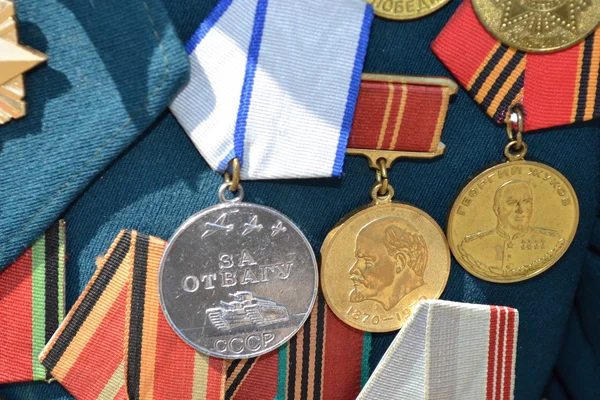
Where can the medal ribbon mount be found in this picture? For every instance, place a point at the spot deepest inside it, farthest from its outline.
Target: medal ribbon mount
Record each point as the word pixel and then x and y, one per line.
pixel 398 116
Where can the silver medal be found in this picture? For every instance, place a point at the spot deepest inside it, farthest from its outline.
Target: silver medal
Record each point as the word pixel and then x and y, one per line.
pixel 237 280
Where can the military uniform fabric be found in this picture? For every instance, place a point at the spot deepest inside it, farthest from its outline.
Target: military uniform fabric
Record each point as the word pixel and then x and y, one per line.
pixel 113 67
pixel 162 180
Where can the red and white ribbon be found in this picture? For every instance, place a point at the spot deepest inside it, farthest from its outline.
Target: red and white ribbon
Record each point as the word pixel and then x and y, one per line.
pixel 449 351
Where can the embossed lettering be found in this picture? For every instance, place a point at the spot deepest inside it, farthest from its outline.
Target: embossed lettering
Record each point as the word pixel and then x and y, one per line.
pixel 237 344
pixel 481 184
pixel 535 172
pixel 566 201
pixel 225 261
pixel 253 343
pixel 190 284
pixel 460 211
pixel 284 269
pixel 208 279
pixel 502 173
pixel 364 317
pixel 228 279
pixel 473 192
pixel 246 259
pixel 516 170
pixel 268 337
pixel 220 345
pixel 249 277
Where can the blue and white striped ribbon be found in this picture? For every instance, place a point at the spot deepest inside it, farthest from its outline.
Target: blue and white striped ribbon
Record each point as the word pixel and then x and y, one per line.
pixel 274 83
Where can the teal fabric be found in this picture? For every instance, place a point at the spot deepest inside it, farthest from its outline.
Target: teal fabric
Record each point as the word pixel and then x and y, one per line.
pixel 162 180
pixel 113 67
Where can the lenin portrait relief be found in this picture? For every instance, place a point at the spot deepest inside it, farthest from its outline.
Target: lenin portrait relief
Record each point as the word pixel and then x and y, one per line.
pixel 391 257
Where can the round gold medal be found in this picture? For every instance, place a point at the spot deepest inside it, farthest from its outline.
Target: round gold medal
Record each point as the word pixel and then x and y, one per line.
pixel 379 262
pixel 513 221
pixel 539 25
pixel 405 9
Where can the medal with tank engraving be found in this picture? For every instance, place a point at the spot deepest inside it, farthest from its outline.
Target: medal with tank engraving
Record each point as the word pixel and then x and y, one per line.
pixel 514 220
pixel 385 257
pixel 271 89
pixel 237 279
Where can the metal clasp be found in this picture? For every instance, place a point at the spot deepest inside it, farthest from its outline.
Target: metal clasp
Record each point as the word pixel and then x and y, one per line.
pixel 231 183
pixel 516 148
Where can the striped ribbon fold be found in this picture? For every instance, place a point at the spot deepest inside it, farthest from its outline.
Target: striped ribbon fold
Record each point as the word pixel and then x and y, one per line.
pixel 554 89
pixel 31 306
pixel 274 83
pixel 116 344
pixel 451 351
pixel 400 113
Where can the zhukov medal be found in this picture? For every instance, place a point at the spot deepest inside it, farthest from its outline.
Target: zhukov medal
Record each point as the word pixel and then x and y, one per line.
pixel 381 259
pixel 514 220
pixel 237 280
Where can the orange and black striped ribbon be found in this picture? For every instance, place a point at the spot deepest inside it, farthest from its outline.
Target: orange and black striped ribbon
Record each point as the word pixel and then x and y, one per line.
pixel 31 306
pixel 554 89
pixel 116 343
pixel 326 359
pixel 400 113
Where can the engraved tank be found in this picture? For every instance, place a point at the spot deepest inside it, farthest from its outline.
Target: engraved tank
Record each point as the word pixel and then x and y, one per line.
pixel 246 310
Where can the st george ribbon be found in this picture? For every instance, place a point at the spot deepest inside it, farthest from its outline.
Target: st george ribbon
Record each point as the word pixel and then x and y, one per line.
pixel 274 83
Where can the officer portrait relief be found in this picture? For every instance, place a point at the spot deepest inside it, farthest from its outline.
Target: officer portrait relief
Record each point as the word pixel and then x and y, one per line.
pixel 513 246
pixel 391 256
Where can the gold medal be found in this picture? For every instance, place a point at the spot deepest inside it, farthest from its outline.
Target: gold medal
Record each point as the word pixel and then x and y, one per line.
pixel 539 26
pixel 405 9
pixel 514 220
pixel 380 261
pixel 383 258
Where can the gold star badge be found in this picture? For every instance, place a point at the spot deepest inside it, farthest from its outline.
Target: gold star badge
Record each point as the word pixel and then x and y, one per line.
pixel 15 59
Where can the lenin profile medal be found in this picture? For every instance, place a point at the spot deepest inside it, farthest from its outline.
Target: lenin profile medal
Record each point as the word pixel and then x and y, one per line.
pixel 237 279
pixel 514 220
pixel 381 259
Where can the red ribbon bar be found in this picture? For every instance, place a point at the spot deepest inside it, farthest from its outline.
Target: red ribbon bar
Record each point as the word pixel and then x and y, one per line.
pixel 400 113
pixel 554 89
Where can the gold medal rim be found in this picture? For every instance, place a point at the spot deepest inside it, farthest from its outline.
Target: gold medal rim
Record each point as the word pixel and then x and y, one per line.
pixel 482 19
pixel 486 172
pixel 396 17
pixel 355 214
